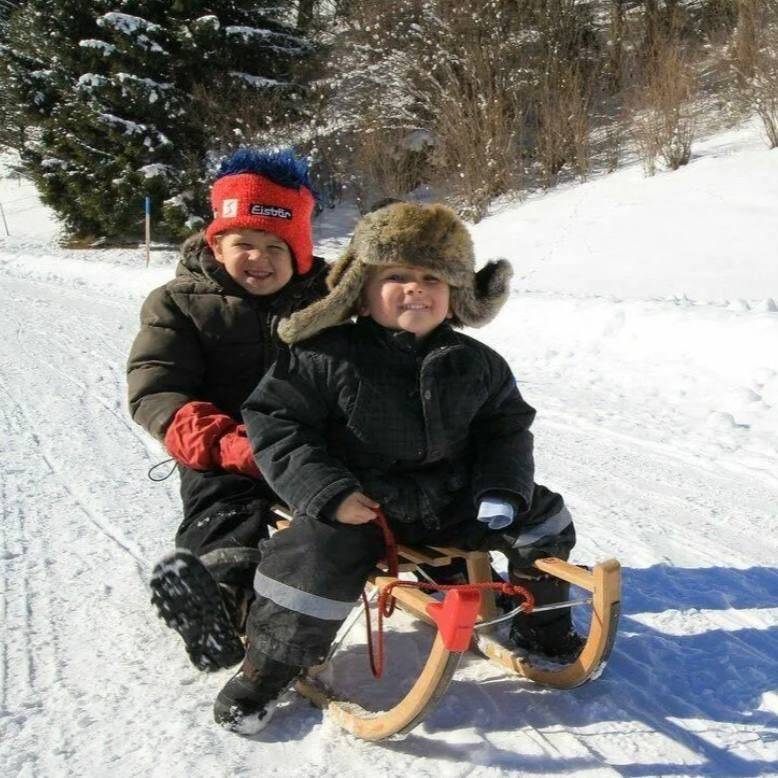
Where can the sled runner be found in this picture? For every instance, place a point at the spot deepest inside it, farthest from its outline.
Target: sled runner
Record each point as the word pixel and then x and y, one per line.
pixel 463 620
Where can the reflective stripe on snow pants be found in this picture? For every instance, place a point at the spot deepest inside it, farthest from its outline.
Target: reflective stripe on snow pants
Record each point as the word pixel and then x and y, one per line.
pixel 310 576
pixel 303 602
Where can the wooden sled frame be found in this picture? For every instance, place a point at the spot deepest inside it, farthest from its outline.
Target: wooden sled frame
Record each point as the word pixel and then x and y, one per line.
pixel 603 582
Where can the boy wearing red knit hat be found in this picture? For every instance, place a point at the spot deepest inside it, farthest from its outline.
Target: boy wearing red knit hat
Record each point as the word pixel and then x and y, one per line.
pixel 207 337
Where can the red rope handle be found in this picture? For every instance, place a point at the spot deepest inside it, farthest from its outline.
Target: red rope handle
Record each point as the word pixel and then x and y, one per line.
pixel 386 602
pixel 392 560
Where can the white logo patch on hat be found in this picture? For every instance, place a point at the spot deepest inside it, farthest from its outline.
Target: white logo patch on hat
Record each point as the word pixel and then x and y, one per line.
pixel 229 208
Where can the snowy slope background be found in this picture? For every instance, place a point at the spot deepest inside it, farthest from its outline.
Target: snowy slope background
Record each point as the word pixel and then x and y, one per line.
pixel 643 327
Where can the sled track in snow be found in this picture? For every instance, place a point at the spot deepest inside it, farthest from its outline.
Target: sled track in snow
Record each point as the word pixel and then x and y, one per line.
pixel 47 464
pixel 33 659
pixel 72 573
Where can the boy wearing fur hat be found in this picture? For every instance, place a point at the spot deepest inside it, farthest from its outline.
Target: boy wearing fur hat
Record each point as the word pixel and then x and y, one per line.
pixel 206 339
pixel 396 410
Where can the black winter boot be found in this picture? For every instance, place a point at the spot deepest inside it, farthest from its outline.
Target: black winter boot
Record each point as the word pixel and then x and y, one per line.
pixel 248 699
pixel 192 603
pixel 453 573
pixel 550 633
pixel 237 601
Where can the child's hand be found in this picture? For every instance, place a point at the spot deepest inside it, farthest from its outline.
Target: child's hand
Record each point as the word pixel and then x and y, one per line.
pixel 357 508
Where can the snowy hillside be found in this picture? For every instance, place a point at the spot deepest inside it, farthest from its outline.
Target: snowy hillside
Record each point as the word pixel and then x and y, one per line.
pixel 643 327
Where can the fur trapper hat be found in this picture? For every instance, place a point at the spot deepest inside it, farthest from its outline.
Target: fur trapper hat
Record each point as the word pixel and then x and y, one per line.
pixel 428 236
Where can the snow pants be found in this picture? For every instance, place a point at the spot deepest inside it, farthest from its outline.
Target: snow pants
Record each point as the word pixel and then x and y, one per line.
pixel 226 515
pixel 311 574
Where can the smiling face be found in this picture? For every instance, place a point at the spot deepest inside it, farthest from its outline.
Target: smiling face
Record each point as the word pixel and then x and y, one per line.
pixel 406 298
pixel 259 261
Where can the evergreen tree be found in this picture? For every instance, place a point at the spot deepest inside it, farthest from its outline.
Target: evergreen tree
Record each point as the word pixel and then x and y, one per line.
pixel 11 119
pixel 120 98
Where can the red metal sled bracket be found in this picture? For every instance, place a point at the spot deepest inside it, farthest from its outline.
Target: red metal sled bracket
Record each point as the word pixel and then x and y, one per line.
pixel 455 618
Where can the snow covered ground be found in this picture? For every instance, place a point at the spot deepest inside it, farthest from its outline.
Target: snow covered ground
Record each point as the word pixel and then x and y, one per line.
pixel 643 328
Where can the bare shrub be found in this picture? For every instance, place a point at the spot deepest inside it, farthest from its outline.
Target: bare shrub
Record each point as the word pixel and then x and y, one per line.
pixel 385 165
pixel 615 55
pixel 718 17
pixel 663 106
pixel 478 130
pixel 745 40
pixel 454 70
pixel 613 135
pixel 564 123
pixel 754 60
pixel 767 108
pixel 646 131
pixel 565 63
pixel 552 138
pixel 764 87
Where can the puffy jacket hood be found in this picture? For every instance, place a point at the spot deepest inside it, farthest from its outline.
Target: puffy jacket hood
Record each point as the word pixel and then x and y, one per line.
pixel 200 265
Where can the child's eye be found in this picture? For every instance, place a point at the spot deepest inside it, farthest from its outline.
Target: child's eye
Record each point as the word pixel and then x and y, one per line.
pixel 395 277
pixel 431 280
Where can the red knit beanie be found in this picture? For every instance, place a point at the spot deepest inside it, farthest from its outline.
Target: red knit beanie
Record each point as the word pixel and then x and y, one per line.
pixel 251 200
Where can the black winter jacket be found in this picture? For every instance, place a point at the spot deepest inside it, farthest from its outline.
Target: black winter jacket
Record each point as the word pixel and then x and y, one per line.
pixel 204 337
pixel 416 427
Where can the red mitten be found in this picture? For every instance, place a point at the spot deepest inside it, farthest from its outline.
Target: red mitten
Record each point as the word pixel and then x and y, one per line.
pixel 235 453
pixel 194 434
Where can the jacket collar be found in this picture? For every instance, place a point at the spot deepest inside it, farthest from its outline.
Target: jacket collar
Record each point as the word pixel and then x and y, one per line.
pixel 198 260
pixel 441 338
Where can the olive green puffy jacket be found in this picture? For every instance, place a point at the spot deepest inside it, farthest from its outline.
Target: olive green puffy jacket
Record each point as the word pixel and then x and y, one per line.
pixel 203 337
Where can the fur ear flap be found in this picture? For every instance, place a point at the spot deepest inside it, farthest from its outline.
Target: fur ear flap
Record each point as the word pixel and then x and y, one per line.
pixel 335 308
pixel 340 267
pixel 479 303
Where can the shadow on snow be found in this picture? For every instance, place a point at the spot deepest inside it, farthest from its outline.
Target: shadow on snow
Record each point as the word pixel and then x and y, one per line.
pixel 652 679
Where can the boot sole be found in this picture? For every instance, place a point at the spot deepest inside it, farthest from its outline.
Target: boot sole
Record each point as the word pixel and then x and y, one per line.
pixel 189 601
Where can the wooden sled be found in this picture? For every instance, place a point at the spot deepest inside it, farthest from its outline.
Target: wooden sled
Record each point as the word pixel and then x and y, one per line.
pixel 603 582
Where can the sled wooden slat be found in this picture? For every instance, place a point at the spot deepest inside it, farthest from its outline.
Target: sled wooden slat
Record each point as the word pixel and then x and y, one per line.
pixel 479 568
pixel 578 576
pixel 402 567
pixel 417 703
pixel 459 553
pixel 422 555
